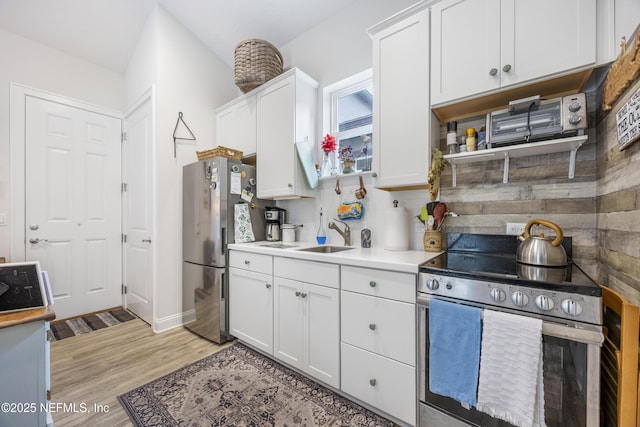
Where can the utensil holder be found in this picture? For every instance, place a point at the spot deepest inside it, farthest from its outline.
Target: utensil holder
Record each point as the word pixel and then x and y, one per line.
pixel 432 241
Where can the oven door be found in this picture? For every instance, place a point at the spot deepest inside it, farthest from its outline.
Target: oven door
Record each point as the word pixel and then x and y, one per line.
pixel 571 360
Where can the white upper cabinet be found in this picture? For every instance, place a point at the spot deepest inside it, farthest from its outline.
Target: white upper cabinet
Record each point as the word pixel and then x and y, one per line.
pixel 236 125
pixel 401 110
pixel 478 46
pixel 286 110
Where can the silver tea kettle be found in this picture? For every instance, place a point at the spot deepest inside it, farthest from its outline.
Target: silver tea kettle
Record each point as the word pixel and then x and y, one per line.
pixel 540 250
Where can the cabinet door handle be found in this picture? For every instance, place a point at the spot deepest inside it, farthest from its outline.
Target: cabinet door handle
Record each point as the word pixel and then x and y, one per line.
pixel 506 68
pixel 303 295
pixel 146 240
pixel 268 285
pixel 373 382
pixel 372 326
pixel 297 293
pixel 493 71
pixel 372 284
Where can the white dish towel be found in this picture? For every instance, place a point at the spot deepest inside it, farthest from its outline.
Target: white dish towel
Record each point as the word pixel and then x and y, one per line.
pixel 510 384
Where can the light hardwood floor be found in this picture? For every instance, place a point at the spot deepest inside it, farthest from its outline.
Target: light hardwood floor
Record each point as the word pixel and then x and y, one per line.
pixel 94 368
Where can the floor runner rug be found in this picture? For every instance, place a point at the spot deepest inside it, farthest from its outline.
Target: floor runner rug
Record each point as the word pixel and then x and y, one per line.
pixel 238 386
pixel 88 323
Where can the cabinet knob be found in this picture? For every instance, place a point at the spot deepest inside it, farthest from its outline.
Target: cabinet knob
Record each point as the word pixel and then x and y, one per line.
pixel 246 262
pixel 290 185
pixel 493 71
pixel 506 68
pixel 372 284
pixel 373 382
pixel 303 295
pixel 372 326
pixel 374 175
pixel 297 293
pixel 268 285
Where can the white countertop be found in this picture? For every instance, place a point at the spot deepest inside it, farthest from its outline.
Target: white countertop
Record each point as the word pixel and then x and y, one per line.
pixel 377 257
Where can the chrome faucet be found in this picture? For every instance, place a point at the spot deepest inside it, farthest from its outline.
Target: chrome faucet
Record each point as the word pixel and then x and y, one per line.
pixel 346 234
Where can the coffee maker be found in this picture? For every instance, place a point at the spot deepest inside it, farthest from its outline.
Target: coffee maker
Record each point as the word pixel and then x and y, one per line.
pixel 274 217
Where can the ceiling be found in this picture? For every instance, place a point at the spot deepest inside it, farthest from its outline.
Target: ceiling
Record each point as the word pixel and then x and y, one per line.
pixel 105 31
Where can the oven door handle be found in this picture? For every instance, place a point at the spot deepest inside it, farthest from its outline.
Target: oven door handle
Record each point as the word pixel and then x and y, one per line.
pixel 548 328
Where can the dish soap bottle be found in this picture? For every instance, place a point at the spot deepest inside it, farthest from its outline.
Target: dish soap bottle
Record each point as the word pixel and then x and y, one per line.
pixel 321 237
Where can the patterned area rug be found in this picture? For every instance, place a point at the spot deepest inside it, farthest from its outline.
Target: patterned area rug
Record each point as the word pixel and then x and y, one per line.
pixel 88 323
pixel 238 386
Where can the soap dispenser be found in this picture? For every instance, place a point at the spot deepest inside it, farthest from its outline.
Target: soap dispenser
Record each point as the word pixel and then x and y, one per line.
pixel 321 237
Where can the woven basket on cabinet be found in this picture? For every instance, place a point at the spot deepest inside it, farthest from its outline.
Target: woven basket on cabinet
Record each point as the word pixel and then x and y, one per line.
pixel 256 62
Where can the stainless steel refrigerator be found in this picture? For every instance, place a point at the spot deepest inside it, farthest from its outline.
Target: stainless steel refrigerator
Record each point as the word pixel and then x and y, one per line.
pixel 211 189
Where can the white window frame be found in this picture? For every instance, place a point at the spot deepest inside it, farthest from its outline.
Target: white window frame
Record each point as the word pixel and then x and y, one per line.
pixel 331 94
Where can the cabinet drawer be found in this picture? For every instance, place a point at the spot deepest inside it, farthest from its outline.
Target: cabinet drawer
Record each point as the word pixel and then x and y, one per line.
pixel 379 325
pixel 381 283
pixel 252 262
pixel 307 271
pixel 382 383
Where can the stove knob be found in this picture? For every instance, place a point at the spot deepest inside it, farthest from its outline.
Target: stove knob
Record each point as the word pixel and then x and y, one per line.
pixel 520 298
pixel 433 284
pixel 498 295
pixel 544 303
pixel 571 307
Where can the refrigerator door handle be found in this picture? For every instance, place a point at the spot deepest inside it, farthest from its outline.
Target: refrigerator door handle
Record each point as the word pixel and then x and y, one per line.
pixel 223 246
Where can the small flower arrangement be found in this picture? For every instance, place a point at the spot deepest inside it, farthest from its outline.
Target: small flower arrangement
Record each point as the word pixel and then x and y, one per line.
pixel 328 144
pixel 346 154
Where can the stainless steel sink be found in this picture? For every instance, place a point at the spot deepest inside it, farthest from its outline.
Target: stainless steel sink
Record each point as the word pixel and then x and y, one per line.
pixel 326 249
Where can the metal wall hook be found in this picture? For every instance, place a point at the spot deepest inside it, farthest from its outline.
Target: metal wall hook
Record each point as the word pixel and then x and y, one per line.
pixel 192 137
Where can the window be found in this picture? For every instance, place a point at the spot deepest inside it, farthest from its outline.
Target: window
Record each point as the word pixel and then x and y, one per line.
pixel 349 108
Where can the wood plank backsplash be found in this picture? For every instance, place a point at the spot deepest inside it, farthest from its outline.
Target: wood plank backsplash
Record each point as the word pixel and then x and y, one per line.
pixel 618 206
pixel 599 208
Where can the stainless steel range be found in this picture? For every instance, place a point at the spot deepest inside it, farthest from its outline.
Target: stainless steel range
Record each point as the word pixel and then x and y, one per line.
pixel 481 271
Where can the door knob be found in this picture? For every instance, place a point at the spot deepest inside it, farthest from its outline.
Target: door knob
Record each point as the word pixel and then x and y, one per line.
pixel 34 227
pixel 146 240
pixel 35 240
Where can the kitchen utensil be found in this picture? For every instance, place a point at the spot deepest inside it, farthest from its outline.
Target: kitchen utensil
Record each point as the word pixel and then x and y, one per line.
pixel 338 190
pixel 438 213
pixel 446 215
pixel 540 250
pixel 430 207
pixel 361 192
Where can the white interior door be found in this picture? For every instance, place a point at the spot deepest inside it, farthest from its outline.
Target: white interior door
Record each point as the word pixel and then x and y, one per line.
pixel 138 211
pixel 73 204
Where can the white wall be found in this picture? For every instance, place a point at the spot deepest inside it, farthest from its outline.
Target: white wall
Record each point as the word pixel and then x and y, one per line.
pixel 41 67
pixel 336 49
pixel 190 79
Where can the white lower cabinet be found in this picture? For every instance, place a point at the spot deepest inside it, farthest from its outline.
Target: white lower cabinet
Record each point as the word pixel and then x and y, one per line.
pixel 307 322
pixel 381 382
pixel 378 339
pixel 251 300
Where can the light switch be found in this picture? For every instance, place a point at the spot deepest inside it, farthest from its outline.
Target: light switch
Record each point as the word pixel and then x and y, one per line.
pixel 3 219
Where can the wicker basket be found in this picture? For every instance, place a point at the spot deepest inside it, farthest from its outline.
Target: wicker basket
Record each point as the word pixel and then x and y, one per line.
pixel 219 151
pixel 256 62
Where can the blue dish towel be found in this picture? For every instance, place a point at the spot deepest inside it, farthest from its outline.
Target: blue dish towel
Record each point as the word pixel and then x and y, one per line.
pixel 454 350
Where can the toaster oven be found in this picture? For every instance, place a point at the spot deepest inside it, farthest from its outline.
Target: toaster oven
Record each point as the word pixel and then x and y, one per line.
pixel 535 119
